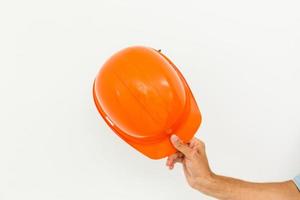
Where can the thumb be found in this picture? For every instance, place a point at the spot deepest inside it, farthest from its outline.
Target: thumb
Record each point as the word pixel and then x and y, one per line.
pixel 180 146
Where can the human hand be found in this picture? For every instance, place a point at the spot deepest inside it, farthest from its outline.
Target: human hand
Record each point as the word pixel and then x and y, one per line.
pixel 193 158
pixel 199 176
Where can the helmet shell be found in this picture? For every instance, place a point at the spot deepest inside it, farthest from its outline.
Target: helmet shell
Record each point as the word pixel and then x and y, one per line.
pixel 144 98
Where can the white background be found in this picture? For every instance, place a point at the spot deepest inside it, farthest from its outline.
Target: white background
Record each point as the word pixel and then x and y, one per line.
pixel 241 59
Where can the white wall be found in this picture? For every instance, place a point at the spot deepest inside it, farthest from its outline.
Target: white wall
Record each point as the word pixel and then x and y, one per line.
pixel 241 59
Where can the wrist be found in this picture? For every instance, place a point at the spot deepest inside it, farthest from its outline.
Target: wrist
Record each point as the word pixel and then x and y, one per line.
pixel 215 186
pixel 206 183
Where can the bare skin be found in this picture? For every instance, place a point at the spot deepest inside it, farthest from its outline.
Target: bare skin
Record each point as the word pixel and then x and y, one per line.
pixel 199 176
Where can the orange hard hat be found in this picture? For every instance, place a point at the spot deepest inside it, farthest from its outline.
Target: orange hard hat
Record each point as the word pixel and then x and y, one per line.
pixel 145 99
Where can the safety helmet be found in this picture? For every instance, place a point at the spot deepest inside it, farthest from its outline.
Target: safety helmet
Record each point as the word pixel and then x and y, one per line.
pixel 144 99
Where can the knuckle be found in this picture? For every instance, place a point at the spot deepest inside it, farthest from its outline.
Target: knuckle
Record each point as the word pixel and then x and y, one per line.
pixel 179 144
pixel 195 155
pixel 201 144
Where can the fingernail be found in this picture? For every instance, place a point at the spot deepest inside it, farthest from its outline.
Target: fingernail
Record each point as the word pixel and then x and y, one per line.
pixel 174 138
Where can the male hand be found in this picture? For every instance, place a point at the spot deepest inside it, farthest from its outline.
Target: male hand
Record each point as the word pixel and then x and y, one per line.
pixel 193 158
pixel 199 176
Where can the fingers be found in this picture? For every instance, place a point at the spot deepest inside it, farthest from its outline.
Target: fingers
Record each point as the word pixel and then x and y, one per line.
pixel 177 160
pixel 185 151
pixel 180 146
pixel 197 144
pixel 172 159
pixel 193 142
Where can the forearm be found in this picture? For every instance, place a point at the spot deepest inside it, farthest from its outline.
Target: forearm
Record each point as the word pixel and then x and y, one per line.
pixel 226 188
